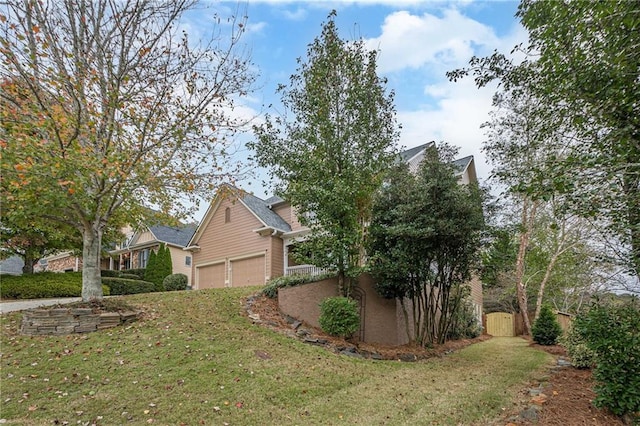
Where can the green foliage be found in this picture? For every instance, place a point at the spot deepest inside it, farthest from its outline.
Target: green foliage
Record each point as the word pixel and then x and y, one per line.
pixel 175 282
pixel 43 285
pixel 464 323
pixel 139 272
pixel 500 258
pixel 577 349
pixel 271 288
pixel 612 332
pixel 159 266
pixel 109 273
pixel 424 241
pixel 95 141
pixel 331 156
pixel 546 330
pixel 339 316
pixel 119 286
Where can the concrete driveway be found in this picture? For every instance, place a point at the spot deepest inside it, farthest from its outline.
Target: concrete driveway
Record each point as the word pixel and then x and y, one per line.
pixel 20 305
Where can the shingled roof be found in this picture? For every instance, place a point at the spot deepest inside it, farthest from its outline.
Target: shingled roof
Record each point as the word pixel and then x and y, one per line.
pixel 261 209
pixel 179 236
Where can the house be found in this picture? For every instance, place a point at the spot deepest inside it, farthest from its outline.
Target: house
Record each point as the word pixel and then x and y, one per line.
pixel 245 240
pixel 11 265
pixel 133 252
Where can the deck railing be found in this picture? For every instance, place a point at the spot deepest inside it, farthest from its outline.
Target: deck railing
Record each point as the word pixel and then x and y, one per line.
pixel 304 270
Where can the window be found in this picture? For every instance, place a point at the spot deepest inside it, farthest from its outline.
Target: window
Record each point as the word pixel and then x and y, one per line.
pixel 187 260
pixel 143 258
pixel 227 215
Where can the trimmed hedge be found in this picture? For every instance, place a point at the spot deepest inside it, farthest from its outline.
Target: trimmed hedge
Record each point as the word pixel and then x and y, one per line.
pixel 175 282
pixel 271 288
pixel 121 286
pixel 140 272
pixel 339 316
pixel 43 285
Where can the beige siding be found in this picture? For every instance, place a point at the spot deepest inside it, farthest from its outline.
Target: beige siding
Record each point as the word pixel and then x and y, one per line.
pixel 276 267
pixel 178 261
pixel 145 237
pixel 235 239
pixel 287 212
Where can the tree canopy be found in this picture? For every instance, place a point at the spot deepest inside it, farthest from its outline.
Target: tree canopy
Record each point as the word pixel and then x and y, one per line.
pixel 331 155
pixel 425 240
pixel 107 108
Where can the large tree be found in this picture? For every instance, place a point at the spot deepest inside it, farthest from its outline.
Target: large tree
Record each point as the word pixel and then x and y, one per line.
pixel 584 66
pixel 424 243
pixel 111 108
pixel 330 157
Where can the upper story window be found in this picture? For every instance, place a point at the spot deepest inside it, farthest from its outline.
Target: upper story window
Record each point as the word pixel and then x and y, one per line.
pixel 227 215
pixel 187 260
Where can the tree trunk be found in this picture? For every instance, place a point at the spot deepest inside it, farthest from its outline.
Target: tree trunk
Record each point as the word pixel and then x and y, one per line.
pixel 528 216
pixel 543 283
pixel 29 261
pixel 91 250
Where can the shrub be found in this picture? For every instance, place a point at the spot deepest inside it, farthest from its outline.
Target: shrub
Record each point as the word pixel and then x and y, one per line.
pixel 121 286
pixel 109 273
pixel 159 266
pixel 128 276
pixel 43 285
pixel 175 282
pixel 271 288
pixel 546 329
pixel 339 316
pixel 140 272
pixel 464 324
pixel 577 349
pixel 613 333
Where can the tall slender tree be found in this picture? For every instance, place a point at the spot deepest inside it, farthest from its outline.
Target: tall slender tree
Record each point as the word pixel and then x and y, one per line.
pixel 111 108
pixel 330 157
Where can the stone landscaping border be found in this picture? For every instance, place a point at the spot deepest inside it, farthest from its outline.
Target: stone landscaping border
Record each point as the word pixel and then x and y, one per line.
pixel 60 321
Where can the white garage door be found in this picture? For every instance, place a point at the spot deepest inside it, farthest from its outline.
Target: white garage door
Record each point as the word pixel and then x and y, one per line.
pixel 246 272
pixel 211 276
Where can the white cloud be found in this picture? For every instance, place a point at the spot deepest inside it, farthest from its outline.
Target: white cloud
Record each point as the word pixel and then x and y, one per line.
pixel 298 15
pixel 412 41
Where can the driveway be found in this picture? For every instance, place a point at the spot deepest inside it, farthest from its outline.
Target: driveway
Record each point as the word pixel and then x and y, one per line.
pixel 20 305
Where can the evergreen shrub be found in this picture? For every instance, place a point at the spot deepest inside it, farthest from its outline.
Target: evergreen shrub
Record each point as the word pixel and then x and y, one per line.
pixel 175 282
pixel 339 316
pixel 546 329
pixel 120 286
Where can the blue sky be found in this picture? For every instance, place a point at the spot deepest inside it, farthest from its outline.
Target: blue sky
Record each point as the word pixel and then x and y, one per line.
pixel 418 42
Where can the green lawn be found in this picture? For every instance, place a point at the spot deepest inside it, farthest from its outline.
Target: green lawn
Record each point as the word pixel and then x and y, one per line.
pixel 193 360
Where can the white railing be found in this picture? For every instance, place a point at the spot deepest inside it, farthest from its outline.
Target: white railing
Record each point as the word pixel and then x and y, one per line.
pixel 304 270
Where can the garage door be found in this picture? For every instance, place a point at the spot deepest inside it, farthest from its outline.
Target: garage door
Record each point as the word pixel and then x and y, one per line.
pixel 247 272
pixel 211 276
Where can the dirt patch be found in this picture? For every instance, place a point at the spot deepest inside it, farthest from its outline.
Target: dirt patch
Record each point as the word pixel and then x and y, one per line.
pixel 568 393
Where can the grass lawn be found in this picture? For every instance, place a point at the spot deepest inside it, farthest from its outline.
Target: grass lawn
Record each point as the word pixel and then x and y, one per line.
pixel 196 360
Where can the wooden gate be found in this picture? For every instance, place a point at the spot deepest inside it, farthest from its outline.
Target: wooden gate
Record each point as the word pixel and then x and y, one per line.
pixel 500 324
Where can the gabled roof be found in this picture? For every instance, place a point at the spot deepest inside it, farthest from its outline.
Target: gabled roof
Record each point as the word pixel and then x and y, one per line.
pixel 257 206
pixel 178 236
pixel 412 152
pixel 461 164
pixel 11 265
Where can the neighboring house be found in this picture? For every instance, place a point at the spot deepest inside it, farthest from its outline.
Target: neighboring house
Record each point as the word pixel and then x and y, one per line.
pixel 134 251
pixel 245 240
pixel 11 266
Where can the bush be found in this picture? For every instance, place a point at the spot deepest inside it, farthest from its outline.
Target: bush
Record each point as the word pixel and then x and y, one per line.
pixel 339 316
pixel 464 324
pixel 613 333
pixel 43 285
pixel 577 349
pixel 140 272
pixel 121 286
pixel 546 329
pixel 128 276
pixel 159 266
pixel 109 273
pixel 271 288
pixel 175 282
